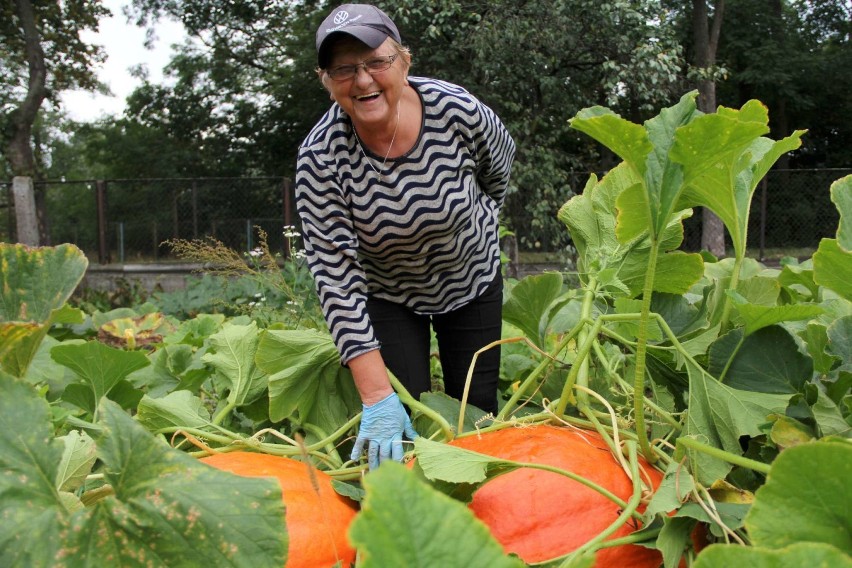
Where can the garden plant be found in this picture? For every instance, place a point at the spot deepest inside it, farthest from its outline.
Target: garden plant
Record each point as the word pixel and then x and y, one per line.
pixel 673 409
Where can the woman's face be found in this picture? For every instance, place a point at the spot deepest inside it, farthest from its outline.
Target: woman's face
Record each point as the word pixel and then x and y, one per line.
pixel 370 100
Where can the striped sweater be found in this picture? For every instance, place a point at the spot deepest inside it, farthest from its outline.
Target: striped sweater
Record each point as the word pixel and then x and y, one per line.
pixel 423 233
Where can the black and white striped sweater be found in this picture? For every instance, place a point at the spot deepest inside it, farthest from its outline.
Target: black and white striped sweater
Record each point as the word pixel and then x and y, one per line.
pixel 423 233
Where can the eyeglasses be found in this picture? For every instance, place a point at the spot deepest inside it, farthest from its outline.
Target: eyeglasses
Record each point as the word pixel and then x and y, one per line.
pixel 372 66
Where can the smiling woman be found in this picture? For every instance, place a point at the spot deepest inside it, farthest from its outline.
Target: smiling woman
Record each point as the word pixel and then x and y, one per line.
pixel 125 47
pixel 399 188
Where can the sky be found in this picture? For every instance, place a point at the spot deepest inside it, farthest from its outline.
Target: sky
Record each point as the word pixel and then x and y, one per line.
pixel 124 44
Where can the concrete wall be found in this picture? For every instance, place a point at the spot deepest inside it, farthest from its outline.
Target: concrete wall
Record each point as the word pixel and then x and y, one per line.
pixel 169 277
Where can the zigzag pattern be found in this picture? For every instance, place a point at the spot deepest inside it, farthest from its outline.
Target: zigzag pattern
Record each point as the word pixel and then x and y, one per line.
pixel 423 233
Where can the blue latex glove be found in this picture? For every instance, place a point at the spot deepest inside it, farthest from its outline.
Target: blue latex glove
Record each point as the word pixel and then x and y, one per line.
pixel 382 427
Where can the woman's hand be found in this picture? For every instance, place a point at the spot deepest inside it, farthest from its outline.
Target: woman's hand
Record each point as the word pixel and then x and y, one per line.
pixel 382 427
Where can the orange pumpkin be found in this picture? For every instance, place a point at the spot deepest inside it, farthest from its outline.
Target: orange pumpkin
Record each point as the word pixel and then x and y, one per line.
pixel 317 521
pixel 540 515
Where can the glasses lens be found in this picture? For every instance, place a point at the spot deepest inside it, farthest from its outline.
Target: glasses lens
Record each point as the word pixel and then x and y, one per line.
pixel 374 65
pixel 342 72
pixel 379 63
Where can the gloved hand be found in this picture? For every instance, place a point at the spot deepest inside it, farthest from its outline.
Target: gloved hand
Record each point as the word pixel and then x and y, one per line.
pixel 382 427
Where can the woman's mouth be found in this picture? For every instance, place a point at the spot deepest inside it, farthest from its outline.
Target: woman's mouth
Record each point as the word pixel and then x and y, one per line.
pixel 368 96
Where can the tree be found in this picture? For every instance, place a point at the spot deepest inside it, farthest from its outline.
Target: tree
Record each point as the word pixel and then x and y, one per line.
pixel 537 63
pixel 706 43
pixel 254 78
pixel 42 56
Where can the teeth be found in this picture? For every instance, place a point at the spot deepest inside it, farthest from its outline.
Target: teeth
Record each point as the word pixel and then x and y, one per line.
pixel 368 95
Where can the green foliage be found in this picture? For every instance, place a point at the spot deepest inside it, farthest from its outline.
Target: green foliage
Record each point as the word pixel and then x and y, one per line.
pixel 154 505
pixel 749 377
pixel 404 522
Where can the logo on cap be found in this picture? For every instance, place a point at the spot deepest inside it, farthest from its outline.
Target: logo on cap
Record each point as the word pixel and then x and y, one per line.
pixel 341 17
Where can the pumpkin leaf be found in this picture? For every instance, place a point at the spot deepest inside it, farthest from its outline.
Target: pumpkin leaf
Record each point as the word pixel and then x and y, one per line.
pixel 806 498
pixel 34 281
pixel 19 342
pixel 719 415
pixel 528 305
pixel 232 355
pixel 29 467
pixel 796 556
pixel 833 268
pixel 833 259
pixel 101 367
pixel 78 457
pixel 443 462
pixel 767 361
pixel 758 317
pixel 306 379
pixel 404 522
pixel 841 196
pixel 178 409
pixel 155 509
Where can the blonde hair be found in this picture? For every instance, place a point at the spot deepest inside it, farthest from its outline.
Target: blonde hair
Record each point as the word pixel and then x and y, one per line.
pixel 403 51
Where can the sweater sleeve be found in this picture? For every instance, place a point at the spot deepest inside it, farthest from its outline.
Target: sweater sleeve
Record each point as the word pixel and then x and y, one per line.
pixel 331 247
pixel 495 152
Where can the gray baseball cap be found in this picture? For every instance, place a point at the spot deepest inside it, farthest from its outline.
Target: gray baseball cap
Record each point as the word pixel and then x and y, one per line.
pixel 362 21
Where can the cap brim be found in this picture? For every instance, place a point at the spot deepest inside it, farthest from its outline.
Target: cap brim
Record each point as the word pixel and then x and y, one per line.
pixel 371 37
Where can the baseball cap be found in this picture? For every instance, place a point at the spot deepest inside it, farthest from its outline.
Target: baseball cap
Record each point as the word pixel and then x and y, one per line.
pixel 362 21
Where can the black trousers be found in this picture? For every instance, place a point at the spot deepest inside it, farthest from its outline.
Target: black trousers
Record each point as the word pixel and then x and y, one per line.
pixel 405 338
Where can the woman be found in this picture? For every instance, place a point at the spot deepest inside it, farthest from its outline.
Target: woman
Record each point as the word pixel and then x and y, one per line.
pixel 398 187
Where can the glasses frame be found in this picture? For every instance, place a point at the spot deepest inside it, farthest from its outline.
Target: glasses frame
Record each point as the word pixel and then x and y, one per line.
pixel 349 71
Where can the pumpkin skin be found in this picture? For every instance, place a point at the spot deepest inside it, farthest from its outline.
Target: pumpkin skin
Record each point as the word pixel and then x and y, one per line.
pixel 540 515
pixel 316 523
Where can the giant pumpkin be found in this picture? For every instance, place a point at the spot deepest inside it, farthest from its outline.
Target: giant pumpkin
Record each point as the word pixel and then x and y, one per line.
pixel 540 515
pixel 317 517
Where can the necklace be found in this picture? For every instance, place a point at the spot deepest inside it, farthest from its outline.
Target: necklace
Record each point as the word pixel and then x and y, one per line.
pixel 393 139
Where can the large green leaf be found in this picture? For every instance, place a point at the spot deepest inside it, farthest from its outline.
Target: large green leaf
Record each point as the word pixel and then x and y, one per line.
pixel 232 355
pixel 528 305
pixel 766 361
pixel 833 268
pixel 841 195
pixel 803 555
pixel 728 187
pixel 34 281
pixel 403 522
pixel 306 379
pixel 78 458
pixel 719 415
pixel 806 498
pixel 627 140
pixel 19 342
pixel 757 317
pixel 664 176
pixel 33 516
pixel 167 508
pixel 100 367
pixel 833 259
pixel 179 409
pixel 618 255
pixel 443 462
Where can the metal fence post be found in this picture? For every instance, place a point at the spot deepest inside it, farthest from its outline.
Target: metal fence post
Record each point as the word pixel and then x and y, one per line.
pixel 156 241
pixel 194 209
pixel 763 184
pixel 288 213
pixel 120 229
pixel 101 200
pixel 175 216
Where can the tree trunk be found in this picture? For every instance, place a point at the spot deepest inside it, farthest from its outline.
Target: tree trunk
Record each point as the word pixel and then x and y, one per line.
pixel 19 149
pixel 706 40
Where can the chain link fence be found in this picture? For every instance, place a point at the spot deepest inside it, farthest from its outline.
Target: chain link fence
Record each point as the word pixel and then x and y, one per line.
pixel 128 221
